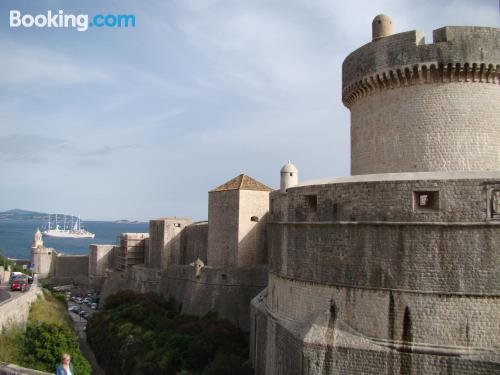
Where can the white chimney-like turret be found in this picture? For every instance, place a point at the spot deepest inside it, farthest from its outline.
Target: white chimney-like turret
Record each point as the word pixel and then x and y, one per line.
pixel 289 176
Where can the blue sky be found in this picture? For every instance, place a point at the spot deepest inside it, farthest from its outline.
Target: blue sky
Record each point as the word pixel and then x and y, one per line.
pixel 140 123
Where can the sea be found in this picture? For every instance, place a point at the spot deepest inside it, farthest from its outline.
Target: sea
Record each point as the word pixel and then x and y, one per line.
pixel 16 236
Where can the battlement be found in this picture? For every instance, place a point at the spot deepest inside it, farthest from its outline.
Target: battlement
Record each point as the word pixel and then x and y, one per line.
pixel 457 54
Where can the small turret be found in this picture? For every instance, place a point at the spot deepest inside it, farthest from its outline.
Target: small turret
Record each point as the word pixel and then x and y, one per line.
pixel 289 176
pixel 382 26
pixel 37 239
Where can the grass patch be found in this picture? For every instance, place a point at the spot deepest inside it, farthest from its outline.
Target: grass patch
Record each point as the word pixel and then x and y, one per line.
pixel 49 310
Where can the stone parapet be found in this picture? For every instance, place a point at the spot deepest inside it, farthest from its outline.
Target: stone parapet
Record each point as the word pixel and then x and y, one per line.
pixel 458 54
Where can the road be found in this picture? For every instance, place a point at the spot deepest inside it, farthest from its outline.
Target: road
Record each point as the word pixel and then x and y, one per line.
pixel 4 294
pixel 80 325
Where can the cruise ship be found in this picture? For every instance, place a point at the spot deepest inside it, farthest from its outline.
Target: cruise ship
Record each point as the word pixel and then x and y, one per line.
pixel 76 230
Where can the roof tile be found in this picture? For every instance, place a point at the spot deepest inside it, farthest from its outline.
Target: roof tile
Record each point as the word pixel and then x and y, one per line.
pixel 242 182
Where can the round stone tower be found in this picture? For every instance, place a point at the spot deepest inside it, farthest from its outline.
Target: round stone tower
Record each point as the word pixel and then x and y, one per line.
pixel 41 256
pixel 419 107
pixel 289 176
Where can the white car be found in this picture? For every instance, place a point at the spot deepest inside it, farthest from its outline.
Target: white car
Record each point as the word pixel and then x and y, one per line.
pixel 74 309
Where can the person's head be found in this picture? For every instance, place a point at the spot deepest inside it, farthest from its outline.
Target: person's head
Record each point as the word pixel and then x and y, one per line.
pixel 65 359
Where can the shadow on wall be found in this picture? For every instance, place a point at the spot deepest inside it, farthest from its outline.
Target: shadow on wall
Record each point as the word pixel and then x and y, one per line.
pixel 194 243
pixel 252 248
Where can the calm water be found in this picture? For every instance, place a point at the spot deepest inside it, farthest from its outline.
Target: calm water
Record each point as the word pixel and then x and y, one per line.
pixel 16 236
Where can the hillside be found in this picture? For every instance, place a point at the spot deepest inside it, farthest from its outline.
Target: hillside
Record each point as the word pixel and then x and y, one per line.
pixel 18 214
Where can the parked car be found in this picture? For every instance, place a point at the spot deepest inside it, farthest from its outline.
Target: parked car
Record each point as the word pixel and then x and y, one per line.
pixel 93 306
pixel 14 275
pixel 19 284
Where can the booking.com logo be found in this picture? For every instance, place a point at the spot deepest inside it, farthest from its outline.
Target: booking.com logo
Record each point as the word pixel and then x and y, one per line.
pixel 81 22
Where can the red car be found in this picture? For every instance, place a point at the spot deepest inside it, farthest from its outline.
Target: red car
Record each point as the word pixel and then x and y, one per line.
pixel 19 284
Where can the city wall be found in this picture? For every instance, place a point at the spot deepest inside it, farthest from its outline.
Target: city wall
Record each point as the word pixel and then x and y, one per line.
pixel 196 289
pixel 372 234
pixel 10 369
pixel 196 243
pixel 70 269
pixel 16 309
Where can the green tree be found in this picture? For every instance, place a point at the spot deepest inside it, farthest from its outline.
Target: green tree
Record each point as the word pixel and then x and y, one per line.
pixel 44 343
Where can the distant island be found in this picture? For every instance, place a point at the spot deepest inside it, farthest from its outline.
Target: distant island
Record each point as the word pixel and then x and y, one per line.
pixel 124 221
pixel 20 215
pixel 17 214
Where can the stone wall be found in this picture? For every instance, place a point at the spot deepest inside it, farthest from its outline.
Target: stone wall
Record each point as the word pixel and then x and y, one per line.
pixel 165 244
pixel 100 259
pixel 227 292
pixel 253 209
pixel 364 279
pixel 223 216
pixel 371 234
pixel 426 128
pixel 4 274
pixel 70 268
pixel 324 344
pixel 10 369
pixel 437 258
pixel 446 320
pixel 196 290
pixel 195 243
pixel 461 197
pixel 16 309
pixel 450 44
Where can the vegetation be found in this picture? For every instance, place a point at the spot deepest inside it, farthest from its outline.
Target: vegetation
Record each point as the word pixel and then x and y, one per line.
pixel 47 334
pixel 144 334
pixel 14 267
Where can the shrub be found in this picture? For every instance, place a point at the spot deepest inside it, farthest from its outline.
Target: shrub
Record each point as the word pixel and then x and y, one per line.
pixel 44 343
pixel 227 364
pixel 144 334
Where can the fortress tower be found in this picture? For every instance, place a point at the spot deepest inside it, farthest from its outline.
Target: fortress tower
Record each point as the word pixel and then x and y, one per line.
pixel 419 107
pixel 237 216
pixel 395 269
pixel 41 256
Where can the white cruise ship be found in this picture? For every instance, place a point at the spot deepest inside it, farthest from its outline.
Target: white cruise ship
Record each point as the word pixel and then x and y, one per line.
pixel 76 230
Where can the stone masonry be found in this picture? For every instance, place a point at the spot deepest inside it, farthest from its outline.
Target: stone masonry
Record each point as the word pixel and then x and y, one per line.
pixel 395 270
